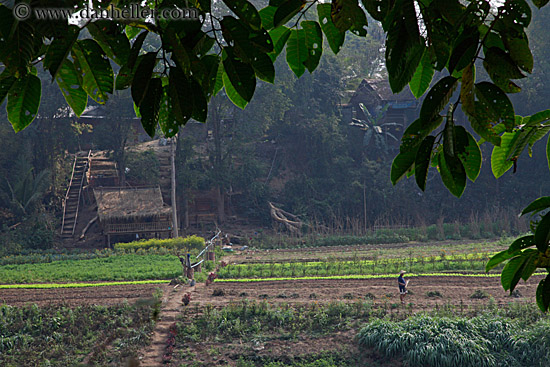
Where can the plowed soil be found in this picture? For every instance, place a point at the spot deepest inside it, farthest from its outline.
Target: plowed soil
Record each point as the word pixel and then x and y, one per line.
pixel 106 295
pixel 453 290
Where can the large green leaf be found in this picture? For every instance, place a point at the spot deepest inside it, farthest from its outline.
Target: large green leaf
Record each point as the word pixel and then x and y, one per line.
pixel 94 69
pixel 548 151
pixel 541 116
pixel 59 49
pixel 543 294
pixel 246 11
pixel 142 77
pixel 499 158
pixel 218 85
pixel 136 48
pixel 237 34
pixel 542 233
pixel 501 68
pixel 346 14
pixel 496 104
pixel 540 132
pixel 150 110
pixel 286 10
pixel 438 96
pixel 263 67
pixel 314 44
pixel 6 82
pixel 530 264
pixel 240 75
pixel 112 39
pixel 279 36
pixel 467 95
pixel 402 164
pixel 179 52
pixel 404 45
pixel 481 123
pixel 417 131
pixel 69 82
pixel 465 49
pixel 539 4
pixel 422 161
pixel 538 205
pixel 126 74
pixel 468 152
pixel 423 75
pixel 516 12
pixel 267 14
pixel 198 101
pixel 514 249
pixel 520 52
pixel 378 9
pixel 132 32
pixel 335 38
pixel 167 118
pixel 452 173
pixel 208 78
pixel 180 95
pixel 17 50
pixel 232 94
pixel 297 51
pixel 23 101
pixel 511 274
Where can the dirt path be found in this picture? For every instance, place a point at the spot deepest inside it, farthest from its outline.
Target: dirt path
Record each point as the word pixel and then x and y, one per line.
pixel 172 305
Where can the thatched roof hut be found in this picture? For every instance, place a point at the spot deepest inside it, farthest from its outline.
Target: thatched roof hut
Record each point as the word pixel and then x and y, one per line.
pixel 131 205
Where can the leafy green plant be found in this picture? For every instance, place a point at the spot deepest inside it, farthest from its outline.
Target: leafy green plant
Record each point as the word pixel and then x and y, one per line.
pixel 182 243
pixel 479 294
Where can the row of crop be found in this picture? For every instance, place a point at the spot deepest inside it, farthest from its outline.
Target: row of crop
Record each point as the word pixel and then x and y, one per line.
pixel 77 285
pixel 173 246
pixel 365 276
pixel 113 268
pixel 485 341
pixel 180 243
pixel 48 256
pixel 380 266
pixel 444 231
pixel 63 336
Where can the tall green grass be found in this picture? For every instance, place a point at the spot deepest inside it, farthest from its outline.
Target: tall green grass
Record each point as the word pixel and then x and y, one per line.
pixel 483 341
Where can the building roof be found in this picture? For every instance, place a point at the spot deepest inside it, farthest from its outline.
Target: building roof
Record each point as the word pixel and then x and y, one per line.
pixel 115 203
pixel 378 92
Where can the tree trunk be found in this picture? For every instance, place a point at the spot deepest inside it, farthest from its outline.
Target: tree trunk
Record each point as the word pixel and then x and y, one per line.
pixel 220 201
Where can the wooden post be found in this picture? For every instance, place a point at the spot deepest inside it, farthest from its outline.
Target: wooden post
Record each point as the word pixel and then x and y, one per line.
pixel 173 194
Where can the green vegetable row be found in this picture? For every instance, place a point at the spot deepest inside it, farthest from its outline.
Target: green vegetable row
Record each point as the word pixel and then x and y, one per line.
pixel 76 285
pixel 124 267
pixel 368 276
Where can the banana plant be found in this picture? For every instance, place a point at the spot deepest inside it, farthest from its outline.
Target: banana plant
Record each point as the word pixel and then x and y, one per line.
pixel 376 132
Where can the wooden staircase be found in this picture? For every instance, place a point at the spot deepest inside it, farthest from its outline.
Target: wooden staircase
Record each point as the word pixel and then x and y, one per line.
pixel 71 202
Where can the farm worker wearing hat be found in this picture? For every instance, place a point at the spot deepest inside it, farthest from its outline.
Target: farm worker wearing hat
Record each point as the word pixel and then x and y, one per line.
pixel 402 286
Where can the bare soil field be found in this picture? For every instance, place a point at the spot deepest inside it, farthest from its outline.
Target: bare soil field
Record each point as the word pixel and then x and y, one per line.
pixel 106 295
pixel 454 290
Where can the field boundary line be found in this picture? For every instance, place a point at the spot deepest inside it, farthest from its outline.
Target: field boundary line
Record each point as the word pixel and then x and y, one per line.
pixel 77 285
pixel 375 276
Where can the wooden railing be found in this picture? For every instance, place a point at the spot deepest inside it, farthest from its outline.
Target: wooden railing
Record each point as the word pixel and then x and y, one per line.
pixel 163 226
pixel 80 189
pixel 67 194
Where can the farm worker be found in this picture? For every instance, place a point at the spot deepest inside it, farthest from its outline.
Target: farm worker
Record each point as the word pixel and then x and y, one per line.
pixel 190 271
pixel 402 286
pixel 187 269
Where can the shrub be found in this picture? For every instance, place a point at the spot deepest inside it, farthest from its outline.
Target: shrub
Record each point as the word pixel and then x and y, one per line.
pixel 479 294
pixel 187 243
pixel 433 294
